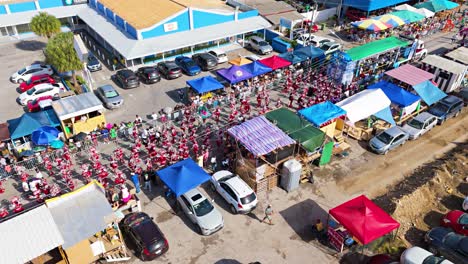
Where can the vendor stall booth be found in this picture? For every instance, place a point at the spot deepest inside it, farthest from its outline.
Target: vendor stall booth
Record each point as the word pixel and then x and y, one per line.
pixel 359 109
pixel 203 87
pixel 30 237
pixel 80 113
pixel 358 220
pixel 88 225
pixel 275 62
pixel 459 55
pixel 437 5
pixel 448 74
pixel 256 68
pixel 326 116
pixel 234 74
pixel 260 147
pixel 316 55
pixel 183 176
pixel 293 58
pixel 239 61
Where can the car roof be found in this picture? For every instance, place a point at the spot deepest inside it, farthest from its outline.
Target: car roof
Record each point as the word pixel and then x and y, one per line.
pixel 451 99
pixel 126 72
pixel 222 173
pixel 107 88
pixel 44 85
pixel 239 186
pixel 36 65
pixel 218 52
pixel 394 131
pixel 193 192
pixel 257 38
pixel 423 116
pixel 415 254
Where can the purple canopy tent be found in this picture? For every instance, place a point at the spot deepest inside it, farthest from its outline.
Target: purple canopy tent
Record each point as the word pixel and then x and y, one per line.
pixel 234 74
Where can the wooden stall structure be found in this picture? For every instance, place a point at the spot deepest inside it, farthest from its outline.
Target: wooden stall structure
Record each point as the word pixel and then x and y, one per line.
pixel 202 89
pixel 260 148
pixel 448 73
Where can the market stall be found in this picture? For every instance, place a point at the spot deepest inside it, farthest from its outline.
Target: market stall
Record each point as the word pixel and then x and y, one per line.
pixel 80 113
pixel 293 58
pixel 203 88
pixel 437 5
pixel 256 68
pixel 316 55
pixel 359 122
pixel 404 103
pixel 37 227
pixel 309 138
pixel 234 74
pixel 275 62
pixel 460 55
pixel 358 220
pixel 260 148
pixel 407 15
pixel 4 139
pixel 239 61
pixel 90 231
pixel 326 116
pixel 448 74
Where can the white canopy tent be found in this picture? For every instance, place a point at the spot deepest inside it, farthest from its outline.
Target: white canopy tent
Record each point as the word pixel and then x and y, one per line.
pixel 366 103
pixel 406 7
pixel 425 12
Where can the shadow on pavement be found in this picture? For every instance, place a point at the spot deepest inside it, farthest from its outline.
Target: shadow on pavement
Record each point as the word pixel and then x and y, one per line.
pixel 227 261
pixel 30 45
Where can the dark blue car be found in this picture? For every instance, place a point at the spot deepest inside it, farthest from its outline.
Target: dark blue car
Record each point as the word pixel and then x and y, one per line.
pixel 187 65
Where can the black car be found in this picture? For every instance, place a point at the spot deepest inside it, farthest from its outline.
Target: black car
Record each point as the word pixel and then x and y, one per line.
pixel 145 235
pixel 148 74
pixel 126 79
pixel 205 60
pixel 446 108
pixel 169 70
pixel 444 241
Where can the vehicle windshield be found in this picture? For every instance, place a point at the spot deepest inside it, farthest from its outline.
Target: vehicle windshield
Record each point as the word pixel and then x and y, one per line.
pixel 385 138
pixel 432 260
pixel 463 219
pixel 325 46
pixel 248 199
pixel 111 94
pixel 441 107
pixel 92 59
pixel 203 208
pixel 263 43
pixel 416 124
pixel 22 71
pixel 31 91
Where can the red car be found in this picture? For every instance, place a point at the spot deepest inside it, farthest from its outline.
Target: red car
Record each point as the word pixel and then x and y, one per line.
pixel 35 80
pixel 33 106
pixel 456 220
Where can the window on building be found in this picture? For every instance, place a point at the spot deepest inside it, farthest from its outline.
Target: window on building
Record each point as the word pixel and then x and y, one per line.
pixel 24 28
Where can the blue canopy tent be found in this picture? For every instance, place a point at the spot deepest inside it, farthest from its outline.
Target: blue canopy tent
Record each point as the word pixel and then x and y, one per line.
pixel 205 84
pixel 293 58
pixel 310 52
pixel 370 5
pixel 256 68
pixel 234 74
pixel 28 122
pixel 322 113
pixel 429 92
pixel 40 137
pixel 183 176
pixel 386 115
pixel 396 94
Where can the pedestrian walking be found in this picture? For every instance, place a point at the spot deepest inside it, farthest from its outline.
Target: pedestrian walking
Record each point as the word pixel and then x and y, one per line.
pixel 181 94
pixel 136 181
pixel 268 215
pixel 147 181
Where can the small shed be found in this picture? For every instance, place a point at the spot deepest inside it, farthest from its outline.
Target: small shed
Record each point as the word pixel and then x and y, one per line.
pixel 448 73
pixel 460 55
pixel 326 116
pixel 80 113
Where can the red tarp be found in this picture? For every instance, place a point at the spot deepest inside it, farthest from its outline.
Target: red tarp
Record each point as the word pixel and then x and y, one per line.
pixel 275 62
pixel 364 219
pixel 410 74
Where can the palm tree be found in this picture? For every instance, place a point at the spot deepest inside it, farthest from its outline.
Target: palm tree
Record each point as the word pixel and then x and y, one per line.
pixel 45 25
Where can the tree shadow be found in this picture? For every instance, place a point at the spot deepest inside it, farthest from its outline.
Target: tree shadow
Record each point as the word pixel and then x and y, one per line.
pixel 227 261
pixel 354 258
pixel 452 202
pixel 302 216
pixel 463 188
pixel 30 45
pixel 415 236
pixel 432 218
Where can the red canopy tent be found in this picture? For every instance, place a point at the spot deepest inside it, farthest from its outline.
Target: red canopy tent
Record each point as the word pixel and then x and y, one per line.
pixel 364 219
pixel 275 62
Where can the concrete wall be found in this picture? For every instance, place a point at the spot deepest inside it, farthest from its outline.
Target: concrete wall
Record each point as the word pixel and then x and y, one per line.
pixel 50 3
pixel 247 14
pixel 132 31
pixel 320 16
pixel 110 14
pixel 204 19
pixel 22 7
pixel 2 10
pixel 182 21
pixel 120 22
pixel 100 8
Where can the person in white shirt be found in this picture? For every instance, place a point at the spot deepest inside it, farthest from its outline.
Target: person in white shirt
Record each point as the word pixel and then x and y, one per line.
pixel 39 174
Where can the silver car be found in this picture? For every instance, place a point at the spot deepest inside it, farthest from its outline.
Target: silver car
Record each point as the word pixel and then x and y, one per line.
pixel 419 125
pixel 109 97
pixel 387 140
pixel 201 212
pixel 419 255
pixel 259 45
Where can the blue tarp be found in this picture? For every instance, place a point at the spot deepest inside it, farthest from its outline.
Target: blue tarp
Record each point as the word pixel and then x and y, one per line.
pixel 183 176
pixel 429 92
pixel 370 5
pixel 310 52
pixel 256 68
pixel 293 58
pixel 321 113
pixel 28 122
pixel 205 84
pixel 234 74
pixel 395 93
pixel 386 115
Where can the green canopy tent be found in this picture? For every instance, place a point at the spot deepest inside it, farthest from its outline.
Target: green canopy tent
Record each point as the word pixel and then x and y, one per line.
pixel 299 129
pixel 437 5
pixel 375 47
pixel 408 15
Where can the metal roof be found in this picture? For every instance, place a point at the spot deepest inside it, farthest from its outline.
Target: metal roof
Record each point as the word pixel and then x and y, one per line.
pixel 133 49
pixel 275 10
pixel 410 74
pixel 81 213
pixel 460 54
pixel 445 64
pixel 28 235
pixel 25 17
pixel 76 105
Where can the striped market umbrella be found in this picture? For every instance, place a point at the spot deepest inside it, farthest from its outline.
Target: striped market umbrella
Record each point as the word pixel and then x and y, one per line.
pixel 392 20
pixel 371 25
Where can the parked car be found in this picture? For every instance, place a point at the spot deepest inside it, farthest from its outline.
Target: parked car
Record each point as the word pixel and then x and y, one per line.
pixel 446 108
pixel 443 241
pixel 148 74
pixel 465 204
pixel 93 63
pixel 126 79
pixel 456 220
pixel 463 94
pixel 330 47
pixel 318 42
pixel 109 97
pixel 33 106
pixel 35 80
pixel 169 70
pixel 201 212
pixel 240 197
pixel 205 60
pixel 387 140
pixel 26 73
pixel 417 255
pixel 53 89
pixel 252 57
pixel 382 259
pixel 148 239
pixel 220 55
pixel 419 125
pixel 259 45
pixel 187 65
